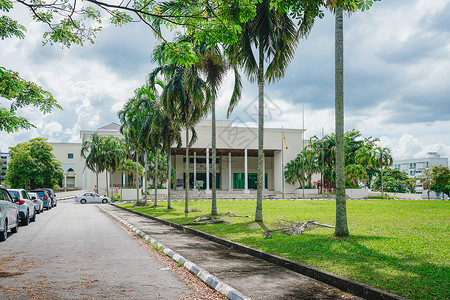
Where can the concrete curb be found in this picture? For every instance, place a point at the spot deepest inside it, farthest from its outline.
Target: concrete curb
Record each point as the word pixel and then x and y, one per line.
pixel 347 285
pixel 212 281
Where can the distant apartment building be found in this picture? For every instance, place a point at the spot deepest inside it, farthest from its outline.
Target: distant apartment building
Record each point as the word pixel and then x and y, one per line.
pixel 415 167
pixel 4 159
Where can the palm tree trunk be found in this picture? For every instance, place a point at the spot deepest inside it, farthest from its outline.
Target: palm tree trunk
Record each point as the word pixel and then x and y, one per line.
pixel 186 177
pixel 258 214
pixel 137 178
pixel 213 196
pixel 155 181
pixel 381 178
pixel 107 186
pixel 145 177
pixel 169 177
pixel 96 181
pixel 341 210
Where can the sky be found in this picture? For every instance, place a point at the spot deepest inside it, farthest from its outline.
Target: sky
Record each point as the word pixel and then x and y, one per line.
pixel 396 79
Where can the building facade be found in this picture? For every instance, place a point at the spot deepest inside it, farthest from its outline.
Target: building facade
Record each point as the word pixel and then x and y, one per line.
pixel 415 167
pixel 4 159
pixel 237 151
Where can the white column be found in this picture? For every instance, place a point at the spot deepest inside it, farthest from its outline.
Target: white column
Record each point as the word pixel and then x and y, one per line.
pixel 65 180
pixel 75 178
pixel 264 171
pixel 230 186
pixel 246 169
pixel 207 169
pixel 195 169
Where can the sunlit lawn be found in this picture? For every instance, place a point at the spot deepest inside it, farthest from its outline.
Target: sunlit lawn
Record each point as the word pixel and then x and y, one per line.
pixel 397 245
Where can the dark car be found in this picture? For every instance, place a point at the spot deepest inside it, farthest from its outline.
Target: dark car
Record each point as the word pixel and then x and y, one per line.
pixel 52 195
pixel 43 194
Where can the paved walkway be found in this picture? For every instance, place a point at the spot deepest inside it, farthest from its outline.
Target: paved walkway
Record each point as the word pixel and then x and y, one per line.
pixel 253 277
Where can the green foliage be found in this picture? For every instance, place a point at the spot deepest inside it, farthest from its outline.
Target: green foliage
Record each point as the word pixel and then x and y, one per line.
pixel 354 174
pixel 116 197
pixel 440 177
pixel 33 165
pixel 396 246
pixel 395 181
pixel 21 93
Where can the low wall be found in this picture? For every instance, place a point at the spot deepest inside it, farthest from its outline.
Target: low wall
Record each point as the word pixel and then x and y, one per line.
pixel 129 194
pixel 357 193
pixel 307 191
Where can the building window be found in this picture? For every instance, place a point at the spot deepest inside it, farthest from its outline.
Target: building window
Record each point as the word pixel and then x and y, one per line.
pixel 239 180
pixel 412 165
pixel 70 156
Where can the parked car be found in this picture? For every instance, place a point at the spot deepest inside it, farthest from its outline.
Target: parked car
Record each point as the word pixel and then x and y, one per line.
pixel 38 203
pixel 52 195
pixel 44 197
pixel 24 204
pixel 9 214
pixel 92 197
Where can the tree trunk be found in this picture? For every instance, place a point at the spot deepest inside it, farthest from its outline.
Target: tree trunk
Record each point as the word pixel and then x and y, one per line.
pixel 259 196
pixel 145 177
pixel 341 210
pixel 213 196
pixel 107 186
pixel 137 178
pixel 381 180
pixel 96 181
pixel 155 181
pixel 186 171
pixel 169 177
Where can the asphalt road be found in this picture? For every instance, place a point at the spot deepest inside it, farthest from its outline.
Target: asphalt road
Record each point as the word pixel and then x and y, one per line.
pixel 74 251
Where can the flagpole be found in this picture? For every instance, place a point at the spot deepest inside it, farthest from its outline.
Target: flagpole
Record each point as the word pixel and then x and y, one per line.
pixel 282 165
pixel 303 149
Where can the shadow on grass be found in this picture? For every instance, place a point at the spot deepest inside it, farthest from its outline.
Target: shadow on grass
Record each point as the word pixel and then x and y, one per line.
pixel 408 275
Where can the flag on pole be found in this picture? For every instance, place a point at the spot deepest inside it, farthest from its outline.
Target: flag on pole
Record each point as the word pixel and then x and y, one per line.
pixel 284 137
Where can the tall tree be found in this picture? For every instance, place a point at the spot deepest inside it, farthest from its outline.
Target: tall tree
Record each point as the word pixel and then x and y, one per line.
pixel 92 152
pixel 274 36
pixel 186 98
pixel 440 180
pixel 382 158
pixel 114 155
pixel 33 165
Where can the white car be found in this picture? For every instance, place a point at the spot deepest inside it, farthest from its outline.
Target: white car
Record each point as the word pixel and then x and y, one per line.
pixel 9 214
pixel 92 198
pixel 38 203
pixel 27 212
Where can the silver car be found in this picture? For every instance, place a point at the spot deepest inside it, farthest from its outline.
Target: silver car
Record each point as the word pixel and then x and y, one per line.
pixel 24 204
pixel 38 203
pixel 9 214
pixel 92 197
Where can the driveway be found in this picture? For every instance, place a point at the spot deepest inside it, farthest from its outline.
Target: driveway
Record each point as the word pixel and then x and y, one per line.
pixel 75 251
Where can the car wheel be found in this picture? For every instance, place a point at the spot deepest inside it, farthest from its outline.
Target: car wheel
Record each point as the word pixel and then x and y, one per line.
pixel 33 218
pixel 16 229
pixel 37 211
pixel 83 201
pixel 4 234
pixel 26 221
pixel 105 201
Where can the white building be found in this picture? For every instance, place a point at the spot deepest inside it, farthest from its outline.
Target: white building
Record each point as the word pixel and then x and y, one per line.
pixel 237 151
pixel 415 167
pixel 4 159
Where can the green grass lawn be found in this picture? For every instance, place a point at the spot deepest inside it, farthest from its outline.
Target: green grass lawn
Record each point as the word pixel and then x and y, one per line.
pixel 398 246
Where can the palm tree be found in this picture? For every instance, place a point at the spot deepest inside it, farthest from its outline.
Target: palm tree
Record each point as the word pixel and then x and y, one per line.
pixel 131 119
pixel 185 98
pixel 213 63
pixel 382 158
pixel 114 154
pixel 92 152
pixel 363 156
pixel 426 180
pixel 275 36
